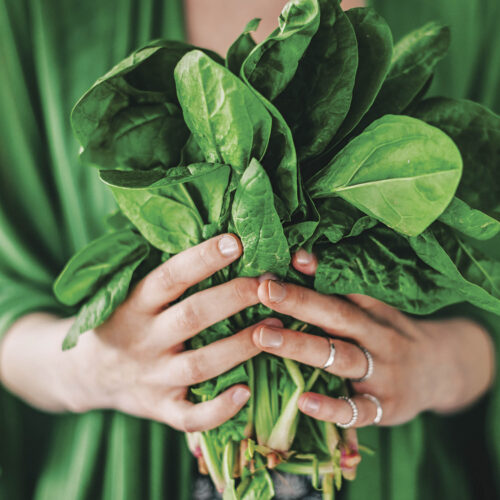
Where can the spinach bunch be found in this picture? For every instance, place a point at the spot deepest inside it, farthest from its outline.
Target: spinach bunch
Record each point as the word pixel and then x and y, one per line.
pixel 319 137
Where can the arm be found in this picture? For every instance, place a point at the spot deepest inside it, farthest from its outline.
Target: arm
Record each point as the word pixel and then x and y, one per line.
pixel 419 365
pixel 136 362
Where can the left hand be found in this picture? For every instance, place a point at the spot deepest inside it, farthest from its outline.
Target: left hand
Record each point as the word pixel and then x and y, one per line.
pixel 419 365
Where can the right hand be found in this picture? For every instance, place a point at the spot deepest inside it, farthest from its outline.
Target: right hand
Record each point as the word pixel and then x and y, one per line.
pixel 138 362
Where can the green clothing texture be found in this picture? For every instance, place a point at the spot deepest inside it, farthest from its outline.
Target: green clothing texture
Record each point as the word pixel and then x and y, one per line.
pixel 51 51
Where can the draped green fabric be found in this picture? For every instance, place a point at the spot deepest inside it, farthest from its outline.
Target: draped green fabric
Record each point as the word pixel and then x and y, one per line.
pixel 50 206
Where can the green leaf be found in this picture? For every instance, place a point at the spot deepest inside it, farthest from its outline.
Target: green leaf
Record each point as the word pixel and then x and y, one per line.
pixel 256 222
pixel 413 61
pixel 476 131
pixel 103 302
pixel 318 97
pixel 138 90
pixel 241 47
pixel 374 39
pixel 137 179
pixel 468 221
pixel 167 223
pixel 229 123
pixel 400 171
pixel 271 65
pixel 140 137
pixel 382 264
pixel 86 271
pixel 476 278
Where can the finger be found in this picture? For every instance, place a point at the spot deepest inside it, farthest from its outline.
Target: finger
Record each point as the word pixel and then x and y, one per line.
pixel 338 410
pixel 195 366
pixel 201 310
pixel 190 417
pixel 172 278
pixel 349 361
pixel 332 314
pixel 381 312
pixel 305 262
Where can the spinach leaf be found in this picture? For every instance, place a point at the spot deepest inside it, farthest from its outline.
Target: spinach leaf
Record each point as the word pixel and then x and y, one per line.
pixel 339 219
pixel 475 278
pixel 272 63
pixel 374 40
pixel 86 271
pixel 257 224
pixel 476 131
pixel 241 47
pixel 229 123
pixel 468 221
pixel 158 177
pixel 382 264
pixel 103 302
pixel 140 137
pixel 102 117
pixel 167 218
pixel 318 98
pixel 400 171
pixel 413 61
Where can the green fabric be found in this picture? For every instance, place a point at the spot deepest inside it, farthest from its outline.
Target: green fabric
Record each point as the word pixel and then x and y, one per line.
pixel 50 52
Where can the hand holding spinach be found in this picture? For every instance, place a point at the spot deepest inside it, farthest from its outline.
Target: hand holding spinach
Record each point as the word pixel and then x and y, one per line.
pixel 303 140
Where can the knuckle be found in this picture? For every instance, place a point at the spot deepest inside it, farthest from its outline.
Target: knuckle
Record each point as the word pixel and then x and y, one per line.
pixel 188 424
pixel 245 290
pixel 209 256
pixel 186 316
pixel 193 372
pixel 166 275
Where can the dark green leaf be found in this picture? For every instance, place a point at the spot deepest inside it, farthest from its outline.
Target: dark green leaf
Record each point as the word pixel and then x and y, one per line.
pixel 318 97
pixel 413 62
pixel 374 40
pixel 400 171
pixel 256 222
pixel 272 63
pixel 103 302
pixel 137 179
pixel 85 272
pixel 476 131
pixel 140 137
pixel 476 278
pixel 241 47
pixel 380 263
pixel 229 123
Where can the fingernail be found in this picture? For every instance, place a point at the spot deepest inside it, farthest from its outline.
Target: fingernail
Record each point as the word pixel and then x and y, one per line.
pixel 311 404
pixel 241 395
pixel 270 338
pixel 228 246
pixel 276 290
pixel 267 276
pixel 303 258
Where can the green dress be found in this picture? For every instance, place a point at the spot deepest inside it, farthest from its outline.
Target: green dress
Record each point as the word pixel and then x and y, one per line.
pixel 50 205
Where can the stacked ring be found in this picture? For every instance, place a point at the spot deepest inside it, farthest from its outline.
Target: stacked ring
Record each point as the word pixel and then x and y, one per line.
pixel 369 370
pixel 355 413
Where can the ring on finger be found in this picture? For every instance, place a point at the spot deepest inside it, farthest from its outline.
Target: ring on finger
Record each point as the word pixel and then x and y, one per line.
pixel 380 411
pixel 331 356
pixel 369 369
pixel 355 413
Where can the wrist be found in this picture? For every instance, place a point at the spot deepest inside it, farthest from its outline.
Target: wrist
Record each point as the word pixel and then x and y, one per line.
pixel 465 361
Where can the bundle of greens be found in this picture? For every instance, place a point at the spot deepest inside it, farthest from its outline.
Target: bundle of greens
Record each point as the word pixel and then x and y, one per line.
pixel 319 137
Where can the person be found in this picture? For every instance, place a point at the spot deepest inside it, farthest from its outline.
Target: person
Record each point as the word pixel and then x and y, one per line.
pixel 439 436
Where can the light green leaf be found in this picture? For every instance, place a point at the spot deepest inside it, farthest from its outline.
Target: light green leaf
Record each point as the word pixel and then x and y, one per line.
pixel 400 171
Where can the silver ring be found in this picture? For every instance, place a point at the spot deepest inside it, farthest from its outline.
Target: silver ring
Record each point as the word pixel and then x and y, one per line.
pixel 331 357
pixel 355 413
pixel 369 370
pixel 380 411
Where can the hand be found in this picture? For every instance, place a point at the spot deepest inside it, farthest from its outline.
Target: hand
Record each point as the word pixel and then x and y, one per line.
pixel 136 362
pixel 418 364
